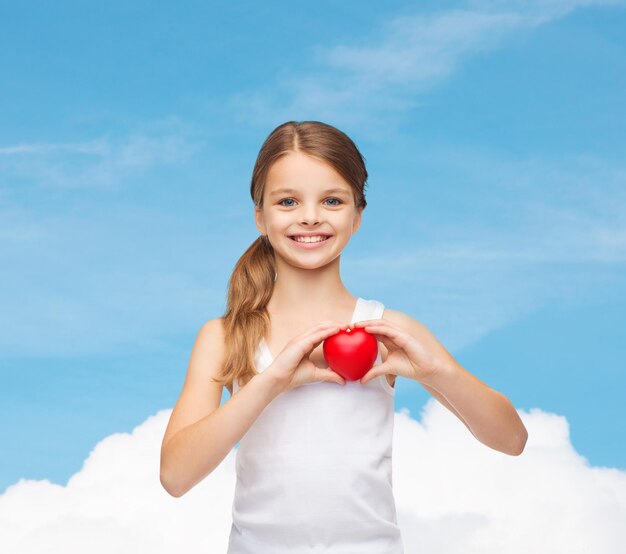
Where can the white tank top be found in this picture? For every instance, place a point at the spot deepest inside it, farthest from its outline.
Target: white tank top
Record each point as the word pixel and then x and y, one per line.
pixel 314 469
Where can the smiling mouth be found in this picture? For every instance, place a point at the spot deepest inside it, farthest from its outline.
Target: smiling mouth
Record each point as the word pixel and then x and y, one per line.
pixel 325 238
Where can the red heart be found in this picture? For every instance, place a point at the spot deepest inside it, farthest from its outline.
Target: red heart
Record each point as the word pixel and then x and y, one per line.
pixel 351 353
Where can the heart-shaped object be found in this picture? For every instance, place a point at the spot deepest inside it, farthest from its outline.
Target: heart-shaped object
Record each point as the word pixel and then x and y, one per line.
pixel 351 352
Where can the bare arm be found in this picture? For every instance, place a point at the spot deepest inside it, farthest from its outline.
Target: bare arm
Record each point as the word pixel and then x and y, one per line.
pixel 487 413
pixel 442 400
pixel 201 433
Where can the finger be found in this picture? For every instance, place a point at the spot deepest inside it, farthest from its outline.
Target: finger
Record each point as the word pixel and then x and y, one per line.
pixel 387 339
pixel 376 327
pixel 326 331
pixel 380 323
pixel 317 334
pixel 388 342
pixel 380 369
pixel 399 336
pixel 316 337
pixel 331 376
pixel 363 323
pixel 325 326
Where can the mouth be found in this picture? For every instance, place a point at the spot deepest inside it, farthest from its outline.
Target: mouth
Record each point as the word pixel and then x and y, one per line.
pixel 315 238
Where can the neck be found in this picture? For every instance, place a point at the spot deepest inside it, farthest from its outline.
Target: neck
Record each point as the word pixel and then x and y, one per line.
pixel 311 293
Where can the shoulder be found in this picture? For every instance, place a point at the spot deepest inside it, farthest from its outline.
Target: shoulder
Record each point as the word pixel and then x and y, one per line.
pixel 404 320
pixel 210 338
pixel 413 326
pixel 213 327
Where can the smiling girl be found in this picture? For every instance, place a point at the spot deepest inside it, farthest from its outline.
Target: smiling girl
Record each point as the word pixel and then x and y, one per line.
pixel 315 455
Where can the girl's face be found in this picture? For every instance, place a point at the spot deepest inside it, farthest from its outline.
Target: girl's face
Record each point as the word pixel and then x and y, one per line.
pixel 304 195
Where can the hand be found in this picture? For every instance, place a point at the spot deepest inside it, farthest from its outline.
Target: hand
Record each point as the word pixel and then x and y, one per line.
pixel 292 367
pixel 408 357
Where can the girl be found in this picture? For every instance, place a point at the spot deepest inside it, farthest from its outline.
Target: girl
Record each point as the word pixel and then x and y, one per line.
pixel 314 457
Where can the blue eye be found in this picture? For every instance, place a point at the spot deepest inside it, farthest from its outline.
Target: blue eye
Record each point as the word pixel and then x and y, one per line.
pixel 289 205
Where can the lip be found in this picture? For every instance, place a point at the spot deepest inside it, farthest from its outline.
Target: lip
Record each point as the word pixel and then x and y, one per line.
pixel 311 234
pixel 310 245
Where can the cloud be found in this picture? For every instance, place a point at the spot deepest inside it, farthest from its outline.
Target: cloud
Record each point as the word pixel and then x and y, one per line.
pixel 453 495
pixel 385 73
pixel 539 11
pixel 105 162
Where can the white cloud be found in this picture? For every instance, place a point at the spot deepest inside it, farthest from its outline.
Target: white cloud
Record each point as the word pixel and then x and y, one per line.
pixel 105 162
pixel 115 503
pixel 453 494
pixel 540 10
pixel 382 75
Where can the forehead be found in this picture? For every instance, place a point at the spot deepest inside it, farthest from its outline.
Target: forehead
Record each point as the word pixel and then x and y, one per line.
pixel 298 172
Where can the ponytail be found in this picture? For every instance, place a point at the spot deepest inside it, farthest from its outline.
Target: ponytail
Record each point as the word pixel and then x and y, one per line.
pixel 246 319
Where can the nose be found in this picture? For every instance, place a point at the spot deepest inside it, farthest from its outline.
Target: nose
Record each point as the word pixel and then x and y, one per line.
pixel 310 215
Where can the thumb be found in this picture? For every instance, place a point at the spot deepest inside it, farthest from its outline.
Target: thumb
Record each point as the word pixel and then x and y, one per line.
pixel 331 376
pixel 377 370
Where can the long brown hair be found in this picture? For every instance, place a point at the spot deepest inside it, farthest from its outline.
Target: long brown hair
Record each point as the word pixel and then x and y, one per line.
pixel 246 319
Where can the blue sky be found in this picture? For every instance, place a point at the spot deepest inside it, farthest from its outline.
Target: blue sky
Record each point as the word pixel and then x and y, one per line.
pixel 493 135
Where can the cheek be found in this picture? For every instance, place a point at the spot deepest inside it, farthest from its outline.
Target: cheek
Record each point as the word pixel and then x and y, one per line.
pixel 278 223
pixel 281 219
pixel 343 225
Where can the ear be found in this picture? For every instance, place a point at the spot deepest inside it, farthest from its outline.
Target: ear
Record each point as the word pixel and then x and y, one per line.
pixel 356 223
pixel 258 220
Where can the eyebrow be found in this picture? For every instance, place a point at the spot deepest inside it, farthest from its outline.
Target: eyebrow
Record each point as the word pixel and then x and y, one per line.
pixel 285 190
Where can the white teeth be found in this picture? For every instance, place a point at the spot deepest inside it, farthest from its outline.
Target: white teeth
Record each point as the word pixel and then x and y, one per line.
pixel 310 239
